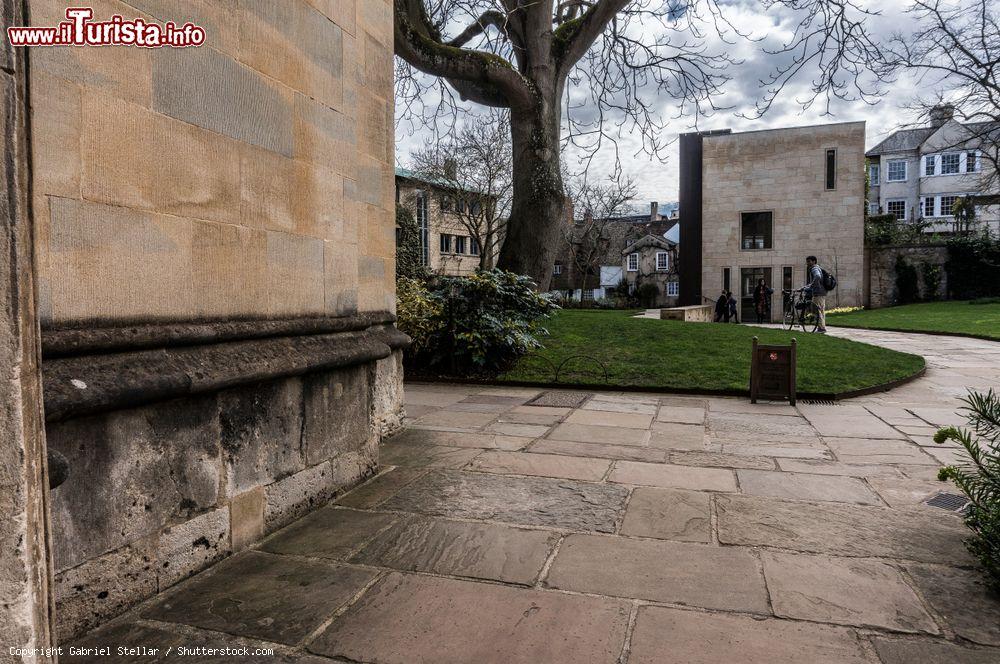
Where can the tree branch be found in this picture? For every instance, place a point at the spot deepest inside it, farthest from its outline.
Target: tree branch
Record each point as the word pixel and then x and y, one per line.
pixel 575 37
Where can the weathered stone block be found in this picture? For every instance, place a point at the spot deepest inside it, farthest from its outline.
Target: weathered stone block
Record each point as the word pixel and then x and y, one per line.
pixel 295 267
pixel 103 587
pixel 131 473
pixel 55 146
pixel 246 518
pixel 261 428
pixel 387 395
pixel 192 546
pixel 291 497
pixel 210 90
pixel 228 269
pixel 330 533
pixel 337 409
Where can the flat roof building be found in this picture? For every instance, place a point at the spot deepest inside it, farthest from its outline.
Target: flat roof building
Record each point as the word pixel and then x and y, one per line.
pixel 757 203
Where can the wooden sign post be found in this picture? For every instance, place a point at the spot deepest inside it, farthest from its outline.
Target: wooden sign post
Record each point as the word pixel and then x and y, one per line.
pixel 772 372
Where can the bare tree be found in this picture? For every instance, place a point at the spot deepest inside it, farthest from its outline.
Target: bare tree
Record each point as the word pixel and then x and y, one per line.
pixel 955 52
pixel 473 168
pixel 590 237
pixel 585 71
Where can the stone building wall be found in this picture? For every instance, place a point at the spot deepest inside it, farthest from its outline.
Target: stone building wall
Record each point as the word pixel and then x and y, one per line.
pixel 783 171
pixel 215 241
pixel 881 267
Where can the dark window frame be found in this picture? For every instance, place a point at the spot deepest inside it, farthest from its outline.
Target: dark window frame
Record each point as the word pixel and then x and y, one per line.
pixel 831 169
pixel 766 238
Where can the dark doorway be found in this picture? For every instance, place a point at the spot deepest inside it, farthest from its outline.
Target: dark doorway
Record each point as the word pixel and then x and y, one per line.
pixel 748 280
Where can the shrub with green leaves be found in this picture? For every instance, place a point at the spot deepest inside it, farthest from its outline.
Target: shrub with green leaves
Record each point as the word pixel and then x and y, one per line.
pixel 979 478
pixel 478 325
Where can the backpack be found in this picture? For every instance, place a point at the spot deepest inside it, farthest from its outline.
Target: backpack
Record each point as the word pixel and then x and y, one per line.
pixel 829 281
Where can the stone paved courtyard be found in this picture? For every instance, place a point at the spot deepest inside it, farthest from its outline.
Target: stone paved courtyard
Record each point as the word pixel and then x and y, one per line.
pixel 520 525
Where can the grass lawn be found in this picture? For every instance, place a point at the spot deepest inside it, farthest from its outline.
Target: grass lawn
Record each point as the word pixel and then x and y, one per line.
pixel 959 317
pixel 671 355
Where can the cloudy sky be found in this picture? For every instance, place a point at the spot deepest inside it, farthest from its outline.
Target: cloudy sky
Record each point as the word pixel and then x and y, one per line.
pixel 657 180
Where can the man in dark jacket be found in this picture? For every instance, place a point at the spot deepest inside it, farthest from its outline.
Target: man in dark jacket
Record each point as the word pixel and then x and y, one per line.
pixel 733 308
pixel 722 308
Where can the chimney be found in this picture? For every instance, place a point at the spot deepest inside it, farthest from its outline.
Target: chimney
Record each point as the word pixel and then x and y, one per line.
pixel 654 211
pixel 941 114
pixel 450 169
pixel 570 210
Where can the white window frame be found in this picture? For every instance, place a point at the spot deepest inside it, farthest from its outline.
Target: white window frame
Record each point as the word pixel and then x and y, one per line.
pixel 940 204
pixel 897 200
pixel 874 173
pixel 587 295
pixel 977 163
pixel 932 200
pixel 888 170
pixel 872 207
pixel 459 243
pixel 557 269
pixel 673 288
pixel 632 263
pixel 958 165
pixel 665 265
pixel 931 161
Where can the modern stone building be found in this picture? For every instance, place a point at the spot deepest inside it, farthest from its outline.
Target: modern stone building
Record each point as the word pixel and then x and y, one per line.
pixel 759 202
pixel 214 248
pixel 448 244
pixel 919 174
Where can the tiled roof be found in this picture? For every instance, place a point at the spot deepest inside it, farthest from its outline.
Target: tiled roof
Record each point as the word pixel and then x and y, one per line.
pixel 407 174
pixel 911 139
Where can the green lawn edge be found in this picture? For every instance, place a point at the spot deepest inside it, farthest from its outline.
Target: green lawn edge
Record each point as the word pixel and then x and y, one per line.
pixel 956 318
pixel 699 358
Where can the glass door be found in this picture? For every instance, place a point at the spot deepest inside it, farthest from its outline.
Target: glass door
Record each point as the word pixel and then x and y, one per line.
pixel 749 276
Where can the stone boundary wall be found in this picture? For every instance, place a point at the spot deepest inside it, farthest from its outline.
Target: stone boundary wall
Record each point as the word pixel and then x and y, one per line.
pixel 880 271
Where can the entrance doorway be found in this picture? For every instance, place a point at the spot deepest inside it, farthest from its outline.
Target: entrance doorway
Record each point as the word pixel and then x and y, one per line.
pixel 749 276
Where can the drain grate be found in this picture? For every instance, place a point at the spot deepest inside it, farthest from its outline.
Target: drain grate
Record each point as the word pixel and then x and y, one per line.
pixel 952 502
pixel 560 399
pixel 821 402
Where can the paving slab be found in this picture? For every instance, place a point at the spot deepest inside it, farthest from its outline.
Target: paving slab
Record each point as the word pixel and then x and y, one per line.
pixel 560 399
pixel 540 465
pixel 248 595
pixel 517 429
pixel 496 399
pixel 673 477
pixel 460 548
pixel 681 414
pixel 551 411
pixel 699 575
pixel 585 433
pixel 800 486
pixel 476 407
pixel 675 636
pixel 674 436
pixel 931 651
pixel 846 530
pixel 456 419
pixel 152 642
pixel 532 501
pixel 440 399
pixel 439 456
pixel 610 419
pixel 908 493
pixel 778 450
pixel 880 451
pixel 380 488
pixel 734 405
pixel 947 456
pixel 407 619
pixel 596 450
pixel 671 514
pixel 961 599
pixel 719 460
pixel 847 421
pixel 869 470
pixel 457 439
pixel 329 532
pixel 620 406
pixel 529 418
pixel 774 427
pixel 844 591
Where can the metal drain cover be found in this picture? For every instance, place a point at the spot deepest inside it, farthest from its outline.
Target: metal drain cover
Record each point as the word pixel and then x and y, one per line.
pixel 821 402
pixel 952 502
pixel 560 399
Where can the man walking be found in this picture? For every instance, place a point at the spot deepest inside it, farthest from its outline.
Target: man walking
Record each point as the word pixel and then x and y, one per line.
pixel 817 288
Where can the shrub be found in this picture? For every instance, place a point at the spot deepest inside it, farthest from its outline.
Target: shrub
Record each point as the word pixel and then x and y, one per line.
pixel 474 326
pixel 932 280
pixel 979 478
pixel 906 281
pixel 884 229
pixel 985 300
pixel 409 254
pixel 647 293
pixel 973 262
pixel 418 313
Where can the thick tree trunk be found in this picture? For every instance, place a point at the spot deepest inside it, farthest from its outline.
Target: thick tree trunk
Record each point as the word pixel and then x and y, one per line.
pixel 538 206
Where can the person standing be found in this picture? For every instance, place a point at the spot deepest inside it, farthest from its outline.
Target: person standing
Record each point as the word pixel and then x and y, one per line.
pixel 722 308
pixel 733 308
pixel 816 287
pixel 762 301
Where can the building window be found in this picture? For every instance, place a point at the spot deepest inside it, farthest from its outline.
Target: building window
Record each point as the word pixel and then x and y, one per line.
pixel 873 207
pixel 446 203
pixel 587 295
pixel 475 208
pixel 873 174
pixel 930 165
pixel 459 244
pixel 757 227
pixel 972 162
pixel 948 206
pixel 950 163
pixel 897 170
pixel 786 278
pixel 927 206
pixel 557 269
pixel 673 289
pixel 445 244
pixel 897 208
pixel 831 169
pixel 662 261
pixel 422 217
pixel 473 246
pixel 633 262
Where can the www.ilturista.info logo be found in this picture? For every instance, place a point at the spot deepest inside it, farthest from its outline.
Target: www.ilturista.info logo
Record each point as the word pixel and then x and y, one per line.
pixel 79 30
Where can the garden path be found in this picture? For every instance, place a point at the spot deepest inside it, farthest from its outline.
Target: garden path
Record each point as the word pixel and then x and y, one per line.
pixel 522 525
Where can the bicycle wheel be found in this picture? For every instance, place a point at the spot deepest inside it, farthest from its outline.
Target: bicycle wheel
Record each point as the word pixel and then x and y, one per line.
pixel 789 321
pixel 810 318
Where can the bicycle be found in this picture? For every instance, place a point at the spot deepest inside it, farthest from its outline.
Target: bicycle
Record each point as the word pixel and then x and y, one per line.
pixel 800 311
